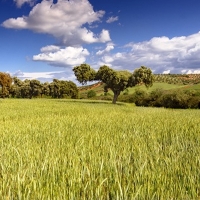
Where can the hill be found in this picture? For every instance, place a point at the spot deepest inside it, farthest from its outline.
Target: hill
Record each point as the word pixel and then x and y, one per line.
pixel 163 81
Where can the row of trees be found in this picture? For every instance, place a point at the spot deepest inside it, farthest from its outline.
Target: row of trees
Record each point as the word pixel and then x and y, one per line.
pixel 184 79
pixel 162 98
pixel 17 88
pixel 117 81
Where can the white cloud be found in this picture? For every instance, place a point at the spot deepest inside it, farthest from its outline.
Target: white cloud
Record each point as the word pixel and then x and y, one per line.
pixel 35 75
pixel 66 57
pixel 50 48
pixel 45 76
pixel 193 72
pixel 166 72
pixel 108 48
pixel 112 19
pixel 160 53
pixel 64 20
pixel 19 3
pixel 107 59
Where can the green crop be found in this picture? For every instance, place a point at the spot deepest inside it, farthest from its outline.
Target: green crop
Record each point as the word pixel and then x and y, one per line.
pixel 64 149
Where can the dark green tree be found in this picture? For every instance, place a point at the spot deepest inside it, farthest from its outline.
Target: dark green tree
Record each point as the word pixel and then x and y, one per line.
pixel 35 88
pixel 117 81
pixel 61 89
pixel 55 88
pixel 45 89
pixel 15 89
pixel 84 73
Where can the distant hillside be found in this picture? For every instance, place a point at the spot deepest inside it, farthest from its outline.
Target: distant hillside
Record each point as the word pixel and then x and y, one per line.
pixel 178 78
pixel 164 81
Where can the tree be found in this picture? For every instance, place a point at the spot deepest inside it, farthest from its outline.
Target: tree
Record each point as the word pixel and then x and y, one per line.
pixel 5 83
pixel 84 73
pixel 45 89
pixel 55 88
pixel 117 81
pixel 15 89
pixel 61 89
pixel 35 88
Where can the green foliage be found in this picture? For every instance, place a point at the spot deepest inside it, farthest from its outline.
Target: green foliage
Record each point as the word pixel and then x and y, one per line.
pixel 61 89
pixel 126 92
pixel 174 100
pixel 117 81
pixel 139 97
pixel 84 73
pixel 26 88
pixel 33 88
pixel 179 99
pixel 167 99
pixel 143 75
pixel 91 94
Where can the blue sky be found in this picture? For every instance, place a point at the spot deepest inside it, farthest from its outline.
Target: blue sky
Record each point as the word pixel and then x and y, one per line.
pixel 45 39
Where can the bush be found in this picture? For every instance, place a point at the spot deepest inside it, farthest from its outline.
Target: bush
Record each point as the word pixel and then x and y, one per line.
pixel 140 97
pixel 194 102
pixel 174 99
pixel 129 98
pixel 168 99
pixel 91 94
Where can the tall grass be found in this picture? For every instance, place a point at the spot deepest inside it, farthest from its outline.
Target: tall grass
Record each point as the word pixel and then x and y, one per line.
pixel 62 149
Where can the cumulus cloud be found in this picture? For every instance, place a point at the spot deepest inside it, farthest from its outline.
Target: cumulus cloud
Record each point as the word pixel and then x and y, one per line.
pixel 50 48
pixel 45 76
pixel 166 72
pixel 64 57
pixel 192 71
pixel 35 75
pixel 160 54
pixel 19 3
pixel 64 20
pixel 108 48
pixel 112 19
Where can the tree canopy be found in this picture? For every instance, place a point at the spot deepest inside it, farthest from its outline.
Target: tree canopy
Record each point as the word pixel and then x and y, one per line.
pixel 5 83
pixel 117 81
pixel 84 73
pixel 33 88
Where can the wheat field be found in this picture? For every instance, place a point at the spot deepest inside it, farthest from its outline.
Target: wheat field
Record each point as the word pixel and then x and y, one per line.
pixel 67 149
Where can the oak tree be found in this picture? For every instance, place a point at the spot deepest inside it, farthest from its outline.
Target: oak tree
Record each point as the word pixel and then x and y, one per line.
pixel 115 80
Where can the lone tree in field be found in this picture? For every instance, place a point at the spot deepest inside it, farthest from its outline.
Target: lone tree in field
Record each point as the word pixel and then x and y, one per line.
pixel 5 83
pixel 117 81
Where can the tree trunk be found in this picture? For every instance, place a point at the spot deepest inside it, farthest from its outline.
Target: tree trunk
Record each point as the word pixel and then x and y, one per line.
pixel 116 94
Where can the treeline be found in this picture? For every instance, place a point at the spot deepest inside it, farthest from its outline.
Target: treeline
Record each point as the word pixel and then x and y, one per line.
pixel 163 98
pixel 184 79
pixel 16 88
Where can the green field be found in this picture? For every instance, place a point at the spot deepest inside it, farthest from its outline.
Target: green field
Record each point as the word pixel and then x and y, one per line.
pixel 67 149
pixel 164 86
pixel 157 85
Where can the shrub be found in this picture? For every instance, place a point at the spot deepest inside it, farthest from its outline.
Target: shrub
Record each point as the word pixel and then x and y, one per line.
pixel 140 97
pixel 91 94
pixel 180 99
